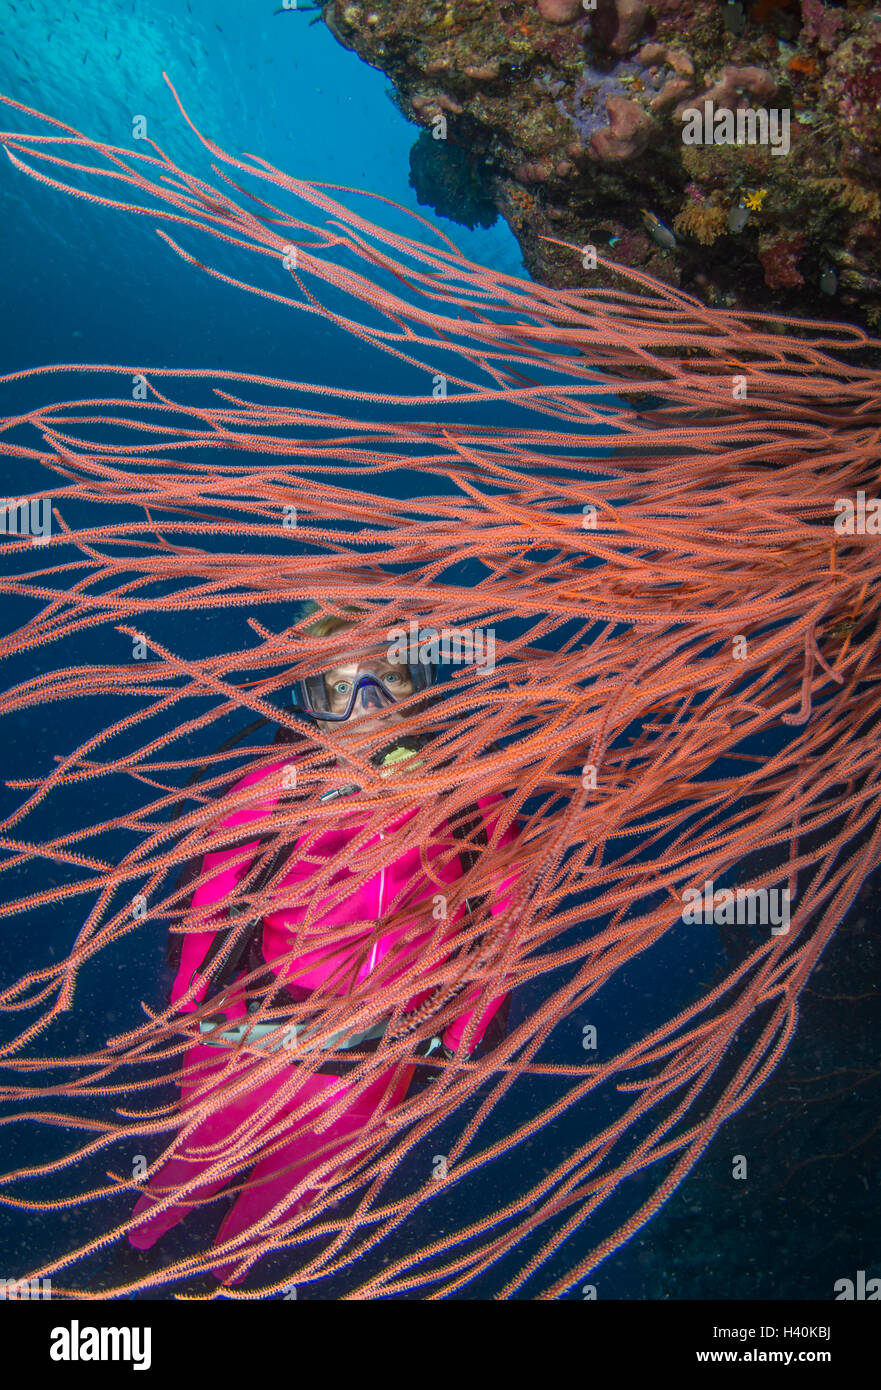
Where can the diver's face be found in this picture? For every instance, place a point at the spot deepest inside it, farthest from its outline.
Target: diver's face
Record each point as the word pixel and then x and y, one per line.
pixel 371 708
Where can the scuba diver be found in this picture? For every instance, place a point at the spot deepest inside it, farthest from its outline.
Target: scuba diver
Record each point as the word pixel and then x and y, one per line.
pixel 359 690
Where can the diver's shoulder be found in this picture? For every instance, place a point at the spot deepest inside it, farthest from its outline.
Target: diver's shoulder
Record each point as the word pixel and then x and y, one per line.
pixel 252 810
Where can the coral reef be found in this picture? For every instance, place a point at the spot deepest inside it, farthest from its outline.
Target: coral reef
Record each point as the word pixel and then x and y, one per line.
pixel 627 133
pixel 704 221
pixel 559 11
pixel 848 193
pixel 853 81
pixel 445 178
pixel 822 24
pixel 631 17
pixel 574 115
pixel 737 88
pixel 779 262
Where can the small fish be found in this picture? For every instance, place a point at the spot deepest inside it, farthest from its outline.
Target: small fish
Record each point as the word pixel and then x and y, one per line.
pixel 738 216
pixel 11 6
pixel 658 231
pixel 829 280
pixel 118 54
pixel 105 35
pixel 191 60
pixel 218 28
pixel 85 56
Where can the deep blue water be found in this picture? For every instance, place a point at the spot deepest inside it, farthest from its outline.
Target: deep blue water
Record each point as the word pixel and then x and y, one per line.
pixel 84 284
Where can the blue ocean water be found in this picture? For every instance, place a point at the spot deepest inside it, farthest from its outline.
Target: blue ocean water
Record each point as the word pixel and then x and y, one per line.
pixel 80 283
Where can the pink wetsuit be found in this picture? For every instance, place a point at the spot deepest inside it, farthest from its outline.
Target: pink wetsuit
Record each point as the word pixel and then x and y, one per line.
pixel 273 1174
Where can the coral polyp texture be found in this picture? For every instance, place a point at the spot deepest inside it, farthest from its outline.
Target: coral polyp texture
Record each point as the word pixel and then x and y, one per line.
pixel 572 114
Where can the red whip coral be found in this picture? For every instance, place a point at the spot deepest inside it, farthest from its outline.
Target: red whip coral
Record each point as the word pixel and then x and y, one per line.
pixel 621 724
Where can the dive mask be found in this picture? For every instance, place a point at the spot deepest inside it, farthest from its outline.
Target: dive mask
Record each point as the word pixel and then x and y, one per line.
pixel 374 691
